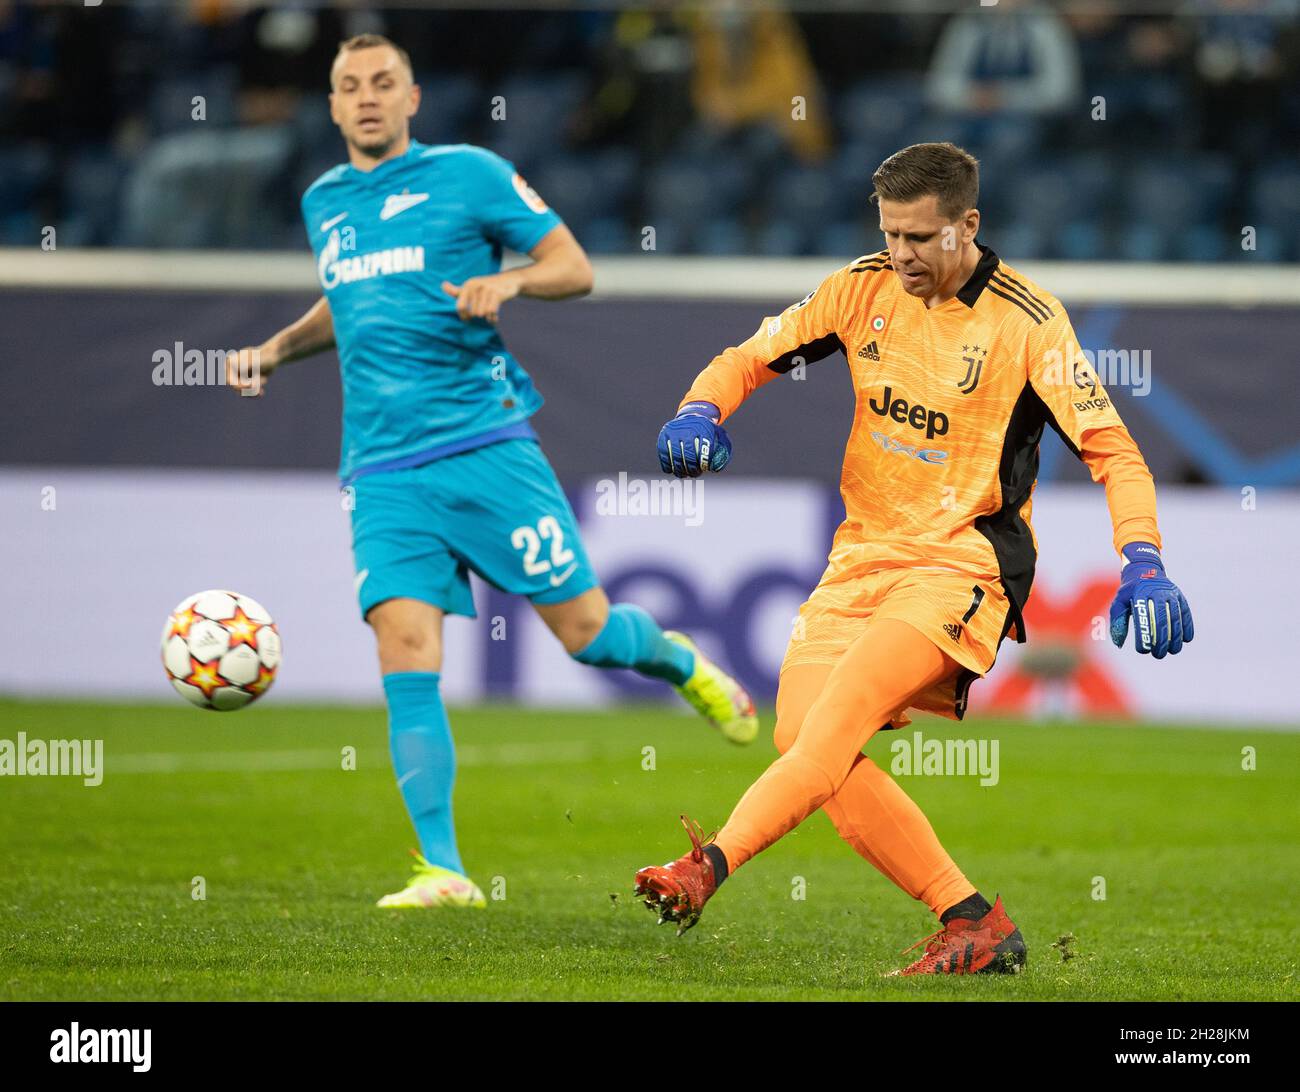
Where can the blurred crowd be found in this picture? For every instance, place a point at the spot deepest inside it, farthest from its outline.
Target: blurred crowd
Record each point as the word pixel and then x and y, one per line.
pixel 730 130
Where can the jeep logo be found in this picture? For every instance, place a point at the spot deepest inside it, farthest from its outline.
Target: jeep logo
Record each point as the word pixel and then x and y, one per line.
pixel 935 424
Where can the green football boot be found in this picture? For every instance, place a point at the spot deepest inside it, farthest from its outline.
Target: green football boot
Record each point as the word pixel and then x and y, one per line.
pixel 433 886
pixel 719 698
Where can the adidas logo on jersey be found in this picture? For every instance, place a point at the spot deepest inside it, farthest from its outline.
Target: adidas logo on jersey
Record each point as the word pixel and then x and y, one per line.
pixel 870 352
pixel 953 630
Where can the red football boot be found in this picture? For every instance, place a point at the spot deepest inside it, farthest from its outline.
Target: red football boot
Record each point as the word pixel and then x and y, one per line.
pixel 679 889
pixel 991 945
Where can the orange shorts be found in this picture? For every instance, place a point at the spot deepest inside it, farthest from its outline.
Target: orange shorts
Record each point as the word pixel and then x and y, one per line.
pixel 965 617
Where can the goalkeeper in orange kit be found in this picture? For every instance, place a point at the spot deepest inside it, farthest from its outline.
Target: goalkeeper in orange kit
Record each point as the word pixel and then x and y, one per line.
pixel 958 363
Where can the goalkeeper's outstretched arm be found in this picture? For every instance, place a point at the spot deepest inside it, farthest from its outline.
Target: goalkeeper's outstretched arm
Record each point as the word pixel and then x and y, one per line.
pixel 1088 422
pixel 803 333
pixel 248 369
pixel 694 441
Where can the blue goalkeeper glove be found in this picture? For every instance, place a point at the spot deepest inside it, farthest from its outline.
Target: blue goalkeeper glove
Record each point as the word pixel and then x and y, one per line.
pixel 1163 620
pixel 693 441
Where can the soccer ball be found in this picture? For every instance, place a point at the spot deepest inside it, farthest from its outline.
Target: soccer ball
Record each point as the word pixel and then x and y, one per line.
pixel 221 650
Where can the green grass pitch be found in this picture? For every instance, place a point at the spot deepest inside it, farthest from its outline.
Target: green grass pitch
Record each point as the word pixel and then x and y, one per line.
pixel 556 812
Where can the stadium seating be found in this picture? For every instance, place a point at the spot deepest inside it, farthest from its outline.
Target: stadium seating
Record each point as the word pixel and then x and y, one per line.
pixel 1069 188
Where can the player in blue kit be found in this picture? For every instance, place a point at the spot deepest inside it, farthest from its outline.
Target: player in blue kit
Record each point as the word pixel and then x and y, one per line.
pixel 447 473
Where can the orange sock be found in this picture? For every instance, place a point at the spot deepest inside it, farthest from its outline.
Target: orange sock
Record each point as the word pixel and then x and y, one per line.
pixel 825 715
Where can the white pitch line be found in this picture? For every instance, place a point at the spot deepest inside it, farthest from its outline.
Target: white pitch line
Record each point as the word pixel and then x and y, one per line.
pixel 504 754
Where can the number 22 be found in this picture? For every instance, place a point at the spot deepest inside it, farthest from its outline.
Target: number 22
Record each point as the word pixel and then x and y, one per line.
pixel 530 541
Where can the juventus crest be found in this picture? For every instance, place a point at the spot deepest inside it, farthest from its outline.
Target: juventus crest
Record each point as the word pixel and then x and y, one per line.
pixel 973 357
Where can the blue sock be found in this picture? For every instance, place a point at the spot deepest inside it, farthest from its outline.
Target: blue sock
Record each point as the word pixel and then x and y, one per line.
pixel 631 638
pixel 424 759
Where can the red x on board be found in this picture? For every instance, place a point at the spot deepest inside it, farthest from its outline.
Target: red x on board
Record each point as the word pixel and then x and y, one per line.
pixel 1067 621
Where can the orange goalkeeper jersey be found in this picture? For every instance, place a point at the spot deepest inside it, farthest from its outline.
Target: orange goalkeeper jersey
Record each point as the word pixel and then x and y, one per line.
pixel 952 401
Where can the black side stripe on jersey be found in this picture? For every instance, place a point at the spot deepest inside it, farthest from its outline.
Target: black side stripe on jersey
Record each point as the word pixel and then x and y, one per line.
pixel 872 266
pixel 810 352
pixel 1007 532
pixel 1013 285
pixel 1018 302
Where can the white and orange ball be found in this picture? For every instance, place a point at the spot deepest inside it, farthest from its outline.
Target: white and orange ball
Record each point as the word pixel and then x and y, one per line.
pixel 221 650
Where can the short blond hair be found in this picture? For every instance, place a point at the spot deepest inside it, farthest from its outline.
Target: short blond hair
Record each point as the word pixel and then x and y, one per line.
pixel 372 41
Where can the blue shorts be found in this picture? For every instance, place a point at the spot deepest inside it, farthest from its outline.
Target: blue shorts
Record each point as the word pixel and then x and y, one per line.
pixel 497 511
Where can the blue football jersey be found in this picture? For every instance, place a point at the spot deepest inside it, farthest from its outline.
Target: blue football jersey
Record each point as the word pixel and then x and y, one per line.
pixel 418 382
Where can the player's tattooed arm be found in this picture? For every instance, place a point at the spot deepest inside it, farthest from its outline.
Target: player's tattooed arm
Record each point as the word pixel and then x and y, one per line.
pixel 248 369
pixel 559 270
